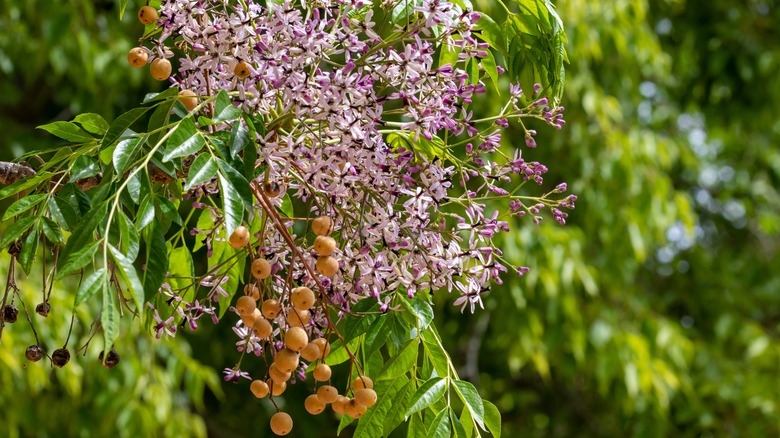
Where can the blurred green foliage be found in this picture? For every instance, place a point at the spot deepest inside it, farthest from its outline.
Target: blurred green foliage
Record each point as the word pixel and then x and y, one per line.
pixel 654 312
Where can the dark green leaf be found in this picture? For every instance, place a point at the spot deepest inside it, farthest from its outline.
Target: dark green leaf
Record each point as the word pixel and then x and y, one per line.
pixel 92 123
pixel 91 285
pixel 168 210
pixel 68 131
pixel 121 124
pixel 145 214
pixel 22 205
pixel 224 111
pixel 239 138
pixel 202 170
pixel 232 207
pixel 471 399
pixel 63 213
pixel 400 363
pixel 457 426
pixel 52 231
pixel 109 317
pixel 376 335
pixel 77 259
pixel 397 413
pixel 29 250
pixel 16 230
pixel 182 271
pixel 128 272
pixel 23 185
pixel 126 151
pixel 433 351
pixel 156 261
pixel 185 141
pixel 84 167
pixel 240 184
pixel 129 236
pixel 427 394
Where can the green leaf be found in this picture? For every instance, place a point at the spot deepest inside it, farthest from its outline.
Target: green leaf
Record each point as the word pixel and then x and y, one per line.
pixel 91 285
pixel 16 230
pixel 489 64
pixel 232 207
pixel 92 123
pixel 63 213
pixel 491 33
pixel 235 261
pixel 433 351
pixel 109 317
pixel 224 110
pixel 121 124
pixel 126 151
pixel 52 231
pixel 23 185
pixel 345 421
pixel 457 426
pixel 401 363
pixel 75 261
pixel 182 271
pixel 371 423
pixel 440 427
pixel 422 310
pixel 156 261
pixel 145 214
pixel 122 7
pixel 22 205
pixel 239 138
pixel 84 167
pixel 376 335
pixel 427 395
pixel 492 418
pixel 471 399
pixel 338 354
pixel 186 140
pixel 239 183
pixel 128 272
pixel 161 115
pixel 395 416
pixel 129 236
pixel 68 131
pixel 82 238
pixel 168 210
pixel 202 170
pixel 287 206
pixel 29 250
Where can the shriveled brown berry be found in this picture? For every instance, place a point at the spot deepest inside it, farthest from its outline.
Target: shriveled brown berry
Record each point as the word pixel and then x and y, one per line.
pixel 327 394
pixel 261 269
pixel 354 409
pixel 302 298
pixel 259 388
pixel 147 15
pixel 278 375
pixel 239 238
pixel 276 388
pixel 296 338
pixel 366 397
pixel 188 99
pixel 323 345
pixel 253 291
pixel 10 313
pixel 60 357
pixel 287 360
pixel 321 373
pixel 313 405
pixel 249 320
pixel 324 245
pixel 111 360
pixel 281 423
pixel 340 405
pixel 271 308
pixel 262 328
pixel 362 382
pixel 245 305
pixel 34 353
pixel 137 57
pixel 161 69
pixel 242 70
pixel 322 226
pixel 273 189
pixel 43 309
pixel 327 266
pixel 297 318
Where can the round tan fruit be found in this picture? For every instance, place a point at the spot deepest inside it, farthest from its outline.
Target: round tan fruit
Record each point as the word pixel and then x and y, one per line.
pixel 137 57
pixel 259 388
pixel 249 320
pixel 327 394
pixel 148 15
pixel 277 375
pixel 246 305
pixel 366 397
pixel 302 298
pixel 188 99
pixel 271 308
pixel 262 328
pixel 327 266
pixel 322 373
pixel 239 238
pixel 261 269
pixel 277 389
pixel 297 318
pixel 324 245
pixel 322 226
pixel 296 338
pixel 340 405
pixel 323 345
pixel 253 291
pixel 161 69
pixel 311 352
pixel 281 423
pixel 313 405
pixel 362 383
pixel 242 70
pixel 355 409
pixel 287 360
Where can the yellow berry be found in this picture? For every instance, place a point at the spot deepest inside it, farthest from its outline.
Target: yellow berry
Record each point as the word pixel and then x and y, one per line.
pixel 322 373
pixel 137 57
pixel 277 388
pixel 313 405
pixel 324 245
pixel 262 328
pixel 362 382
pixel 239 238
pixel 281 423
pixel 287 360
pixel 161 69
pixel 327 394
pixel 242 70
pixel 148 15
pixel 327 266
pixel 322 226
pixel 246 305
pixel 366 397
pixel 302 298
pixel 340 405
pixel 259 388
pixel 250 319
pixel 271 308
pixel 278 375
pixel 323 345
pixel 186 97
pixel 297 318
pixel 296 339
pixel 355 409
pixel 261 269
pixel 253 291
pixel 311 352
